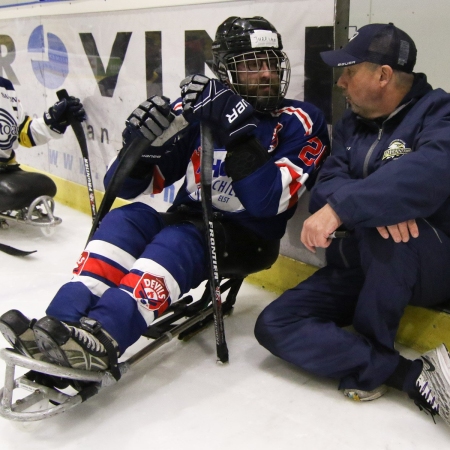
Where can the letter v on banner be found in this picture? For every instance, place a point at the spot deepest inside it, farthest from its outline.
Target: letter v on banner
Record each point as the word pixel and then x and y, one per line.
pixel 107 79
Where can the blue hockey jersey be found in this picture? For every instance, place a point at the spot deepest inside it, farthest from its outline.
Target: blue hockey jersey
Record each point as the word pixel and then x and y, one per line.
pixel 296 137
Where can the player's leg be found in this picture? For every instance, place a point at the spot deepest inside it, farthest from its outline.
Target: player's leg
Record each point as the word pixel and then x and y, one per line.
pixel 116 245
pixel 121 238
pixel 172 264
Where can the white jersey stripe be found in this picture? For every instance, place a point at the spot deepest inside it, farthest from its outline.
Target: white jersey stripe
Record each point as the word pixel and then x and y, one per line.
pixel 112 252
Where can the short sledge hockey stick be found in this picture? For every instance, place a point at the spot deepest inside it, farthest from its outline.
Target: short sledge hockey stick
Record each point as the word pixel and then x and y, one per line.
pixel 206 162
pixel 77 128
pixel 129 159
pixel 15 251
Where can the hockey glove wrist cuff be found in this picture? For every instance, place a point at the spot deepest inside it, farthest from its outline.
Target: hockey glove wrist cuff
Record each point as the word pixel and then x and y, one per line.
pixel 244 156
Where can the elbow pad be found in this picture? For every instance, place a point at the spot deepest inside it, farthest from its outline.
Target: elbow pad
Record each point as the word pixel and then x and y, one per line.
pixel 244 156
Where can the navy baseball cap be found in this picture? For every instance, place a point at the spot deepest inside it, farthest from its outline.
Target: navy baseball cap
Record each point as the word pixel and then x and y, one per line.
pixel 378 43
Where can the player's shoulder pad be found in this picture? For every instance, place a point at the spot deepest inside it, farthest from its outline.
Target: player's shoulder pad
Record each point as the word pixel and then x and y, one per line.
pixel 6 84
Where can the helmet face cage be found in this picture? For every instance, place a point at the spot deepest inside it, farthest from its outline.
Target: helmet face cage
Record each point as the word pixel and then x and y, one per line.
pixel 260 77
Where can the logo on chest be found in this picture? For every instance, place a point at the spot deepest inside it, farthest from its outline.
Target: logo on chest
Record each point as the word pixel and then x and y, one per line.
pixel 396 149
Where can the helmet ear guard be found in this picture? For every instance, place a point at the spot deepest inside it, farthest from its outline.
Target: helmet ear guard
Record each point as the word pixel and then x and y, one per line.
pixel 241 40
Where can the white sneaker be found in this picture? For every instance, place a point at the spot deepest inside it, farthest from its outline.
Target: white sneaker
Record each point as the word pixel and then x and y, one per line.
pixel 433 384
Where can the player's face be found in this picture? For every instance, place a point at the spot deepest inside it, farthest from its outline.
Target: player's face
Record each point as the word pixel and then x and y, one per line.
pixel 360 85
pixel 259 75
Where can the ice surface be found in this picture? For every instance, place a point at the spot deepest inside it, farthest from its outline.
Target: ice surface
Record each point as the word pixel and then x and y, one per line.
pixel 179 398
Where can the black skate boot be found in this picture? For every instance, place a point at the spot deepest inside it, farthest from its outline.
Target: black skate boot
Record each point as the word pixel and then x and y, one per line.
pixel 75 347
pixel 18 331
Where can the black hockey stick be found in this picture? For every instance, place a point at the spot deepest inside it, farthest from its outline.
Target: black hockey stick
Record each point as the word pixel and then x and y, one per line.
pixel 77 128
pixel 129 159
pixel 206 162
pixel 126 163
pixel 15 251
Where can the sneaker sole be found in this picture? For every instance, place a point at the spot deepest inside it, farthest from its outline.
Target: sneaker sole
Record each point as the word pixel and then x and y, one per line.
pixel 353 395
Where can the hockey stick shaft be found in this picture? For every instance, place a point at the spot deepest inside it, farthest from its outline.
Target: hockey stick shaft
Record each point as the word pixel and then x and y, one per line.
pixel 207 156
pixel 15 251
pixel 77 128
pixel 129 159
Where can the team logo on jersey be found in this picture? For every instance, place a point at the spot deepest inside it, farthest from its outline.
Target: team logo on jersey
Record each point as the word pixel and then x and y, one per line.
pixel 274 142
pixel 151 292
pixel 396 149
pixel 8 130
pixel 80 263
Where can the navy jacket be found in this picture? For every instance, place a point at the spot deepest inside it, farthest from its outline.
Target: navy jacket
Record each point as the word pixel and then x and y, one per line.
pixel 383 172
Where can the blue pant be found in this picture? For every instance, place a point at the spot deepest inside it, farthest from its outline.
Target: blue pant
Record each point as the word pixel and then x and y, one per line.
pixel 131 271
pixel 137 265
pixel 305 325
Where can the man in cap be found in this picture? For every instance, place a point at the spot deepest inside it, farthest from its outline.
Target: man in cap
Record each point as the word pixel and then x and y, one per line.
pixel 387 184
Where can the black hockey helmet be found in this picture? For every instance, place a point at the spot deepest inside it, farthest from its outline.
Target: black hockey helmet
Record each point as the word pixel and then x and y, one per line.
pixel 251 41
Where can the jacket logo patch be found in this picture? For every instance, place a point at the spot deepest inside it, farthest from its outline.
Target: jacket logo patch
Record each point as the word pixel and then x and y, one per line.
pixel 396 149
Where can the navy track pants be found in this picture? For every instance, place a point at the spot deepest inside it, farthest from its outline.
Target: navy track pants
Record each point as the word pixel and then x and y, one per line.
pixel 306 324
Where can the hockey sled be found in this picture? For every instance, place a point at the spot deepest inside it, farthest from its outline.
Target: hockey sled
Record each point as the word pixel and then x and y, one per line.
pixel 27 197
pixel 50 389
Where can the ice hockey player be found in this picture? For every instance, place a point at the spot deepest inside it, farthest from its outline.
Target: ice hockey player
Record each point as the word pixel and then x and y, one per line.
pixel 139 262
pixel 386 180
pixel 18 128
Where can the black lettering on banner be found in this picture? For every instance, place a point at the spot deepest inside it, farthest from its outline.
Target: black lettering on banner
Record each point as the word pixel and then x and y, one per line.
pixel 7 58
pixel 106 80
pixel 197 53
pixel 90 132
pixel 104 134
pixel 153 63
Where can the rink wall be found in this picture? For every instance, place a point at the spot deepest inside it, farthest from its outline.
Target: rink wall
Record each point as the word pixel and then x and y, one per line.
pixel 114 54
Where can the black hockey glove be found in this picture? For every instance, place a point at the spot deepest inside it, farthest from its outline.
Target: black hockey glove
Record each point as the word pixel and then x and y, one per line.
pixel 57 117
pixel 148 120
pixel 210 101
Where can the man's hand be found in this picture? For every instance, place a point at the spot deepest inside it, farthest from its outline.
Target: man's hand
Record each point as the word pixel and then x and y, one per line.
pixel 400 232
pixel 317 228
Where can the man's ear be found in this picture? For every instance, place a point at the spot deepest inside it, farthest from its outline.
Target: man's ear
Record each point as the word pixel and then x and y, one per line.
pixel 386 74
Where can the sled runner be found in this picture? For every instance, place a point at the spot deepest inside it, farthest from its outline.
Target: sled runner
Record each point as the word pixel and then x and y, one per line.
pixel 62 388
pixel 50 389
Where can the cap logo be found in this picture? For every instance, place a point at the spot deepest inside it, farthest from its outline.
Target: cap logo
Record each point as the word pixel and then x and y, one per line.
pixel 263 38
pixel 403 53
pixel 346 63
